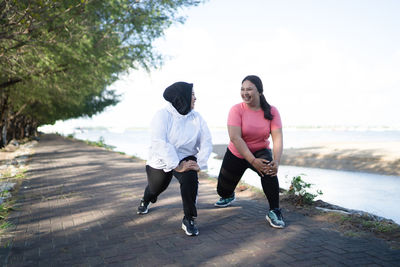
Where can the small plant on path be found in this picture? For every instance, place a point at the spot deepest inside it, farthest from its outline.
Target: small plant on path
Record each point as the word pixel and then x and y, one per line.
pixel 298 190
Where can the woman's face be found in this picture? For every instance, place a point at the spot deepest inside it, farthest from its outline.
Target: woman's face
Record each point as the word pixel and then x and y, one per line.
pixel 249 93
pixel 193 100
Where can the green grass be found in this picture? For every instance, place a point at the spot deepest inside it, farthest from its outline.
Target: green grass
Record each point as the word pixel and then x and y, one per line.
pixel 6 174
pixel 21 174
pixel 381 227
pixel 5 225
pixel 7 206
pixel 5 209
pixel 100 143
pixel 4 193
pixel 7 244
pixel 3 212
pixel 367 224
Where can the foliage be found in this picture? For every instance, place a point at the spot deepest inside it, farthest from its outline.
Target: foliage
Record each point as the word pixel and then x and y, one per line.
pixel 298 189
pixel 4 211
pixel 57 58
pixel 4 193
pixel 20 175
pixel 100 143
pixel 383 228
pixel 5 225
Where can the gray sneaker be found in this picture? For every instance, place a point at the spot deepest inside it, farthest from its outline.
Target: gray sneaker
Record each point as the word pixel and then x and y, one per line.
pixel 275 219
pixel 143 207
pixel 189 227
pixel 225 202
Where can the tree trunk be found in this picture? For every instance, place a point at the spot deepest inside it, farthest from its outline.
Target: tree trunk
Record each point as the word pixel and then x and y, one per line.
pixel 3 118
pixel 4 134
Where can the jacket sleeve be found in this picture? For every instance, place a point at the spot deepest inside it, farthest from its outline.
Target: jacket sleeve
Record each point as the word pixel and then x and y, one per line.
pixel 205 147
pixel 163 150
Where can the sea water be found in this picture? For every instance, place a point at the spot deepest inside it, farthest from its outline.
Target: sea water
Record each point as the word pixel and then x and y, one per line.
pixel 373 193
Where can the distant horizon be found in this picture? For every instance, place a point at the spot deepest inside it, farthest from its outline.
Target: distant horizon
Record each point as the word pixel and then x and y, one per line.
pixel 55 127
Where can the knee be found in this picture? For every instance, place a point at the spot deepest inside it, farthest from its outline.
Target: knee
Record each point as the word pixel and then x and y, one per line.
pixel 189 178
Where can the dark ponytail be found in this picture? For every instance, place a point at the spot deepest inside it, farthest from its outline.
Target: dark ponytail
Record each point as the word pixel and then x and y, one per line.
pixel 263 102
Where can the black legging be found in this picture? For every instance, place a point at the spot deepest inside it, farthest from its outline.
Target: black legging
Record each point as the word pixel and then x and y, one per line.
pixel 232 170
pixel 158 181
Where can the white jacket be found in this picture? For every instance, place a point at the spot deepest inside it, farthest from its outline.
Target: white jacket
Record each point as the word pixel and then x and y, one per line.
pixel 175 137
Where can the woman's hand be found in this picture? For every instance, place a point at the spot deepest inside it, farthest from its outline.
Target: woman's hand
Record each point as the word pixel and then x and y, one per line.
pixel 260 165
pixel 265 167
pixel 272 168
pixel 187 165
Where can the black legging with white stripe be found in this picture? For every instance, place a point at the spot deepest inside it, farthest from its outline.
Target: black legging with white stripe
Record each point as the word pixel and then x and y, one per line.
pixel 158 181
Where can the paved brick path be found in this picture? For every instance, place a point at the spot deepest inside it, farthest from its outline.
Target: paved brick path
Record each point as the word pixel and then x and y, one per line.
pixel 77 207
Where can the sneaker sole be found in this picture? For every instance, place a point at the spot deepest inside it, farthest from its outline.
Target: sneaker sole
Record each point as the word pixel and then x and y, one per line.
pixel 274 225
pixel 187 233
pixel 143 212
pixel 225 205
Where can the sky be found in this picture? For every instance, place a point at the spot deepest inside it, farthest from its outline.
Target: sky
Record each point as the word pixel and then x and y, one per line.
pixel 322 63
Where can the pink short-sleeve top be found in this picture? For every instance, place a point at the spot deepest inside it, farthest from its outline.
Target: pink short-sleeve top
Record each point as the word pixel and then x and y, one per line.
pixel 255 128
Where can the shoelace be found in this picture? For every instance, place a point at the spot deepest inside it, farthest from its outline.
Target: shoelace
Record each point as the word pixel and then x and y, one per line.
pixel 278 214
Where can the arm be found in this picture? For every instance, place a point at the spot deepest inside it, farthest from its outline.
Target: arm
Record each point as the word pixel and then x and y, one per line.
pixel 159 141
pixel 277 140
pixel 205 149
pixel 235 135
pixel 205 146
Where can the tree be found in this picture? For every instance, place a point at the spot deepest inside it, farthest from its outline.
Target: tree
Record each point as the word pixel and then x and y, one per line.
pixel 57 58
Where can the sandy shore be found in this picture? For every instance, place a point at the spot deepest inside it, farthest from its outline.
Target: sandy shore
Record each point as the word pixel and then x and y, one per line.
pixel 379 158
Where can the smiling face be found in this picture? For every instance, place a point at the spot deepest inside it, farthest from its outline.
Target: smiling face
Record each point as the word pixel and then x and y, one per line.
pixel 193 100
pixel 250 95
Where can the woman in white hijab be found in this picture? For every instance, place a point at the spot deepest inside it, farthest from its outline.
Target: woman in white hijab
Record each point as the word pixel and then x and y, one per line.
pixel 180 146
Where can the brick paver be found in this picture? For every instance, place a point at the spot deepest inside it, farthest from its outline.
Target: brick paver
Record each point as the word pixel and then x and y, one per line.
pixel 77 207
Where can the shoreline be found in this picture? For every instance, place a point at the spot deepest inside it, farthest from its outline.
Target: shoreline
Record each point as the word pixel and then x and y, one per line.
pixel 378 158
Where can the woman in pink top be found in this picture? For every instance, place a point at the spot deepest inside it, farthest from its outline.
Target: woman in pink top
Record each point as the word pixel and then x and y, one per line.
pixel 250 124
